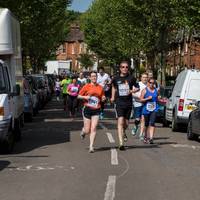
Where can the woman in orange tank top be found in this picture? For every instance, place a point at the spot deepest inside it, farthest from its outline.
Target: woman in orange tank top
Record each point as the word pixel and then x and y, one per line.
pixel 92 94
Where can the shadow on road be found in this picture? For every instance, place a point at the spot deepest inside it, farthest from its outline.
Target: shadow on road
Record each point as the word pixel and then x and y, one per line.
pixel 49 127
pixel 4 164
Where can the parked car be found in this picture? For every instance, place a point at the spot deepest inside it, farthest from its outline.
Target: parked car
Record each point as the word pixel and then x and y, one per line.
pixel 35 93
pixel 165 93
pixel 51 81
pixel 28 101
pixel 193 129
pixel 42 90
pixel 184 96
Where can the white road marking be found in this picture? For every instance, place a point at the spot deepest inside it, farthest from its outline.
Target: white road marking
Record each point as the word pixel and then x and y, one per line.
pixel 185 146
pixel 40 167
pixel 110 138
pixel 114 157
pixel 110 189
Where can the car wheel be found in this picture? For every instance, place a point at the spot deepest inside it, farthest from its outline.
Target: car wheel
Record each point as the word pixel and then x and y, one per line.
pixel 8 143
pixel 17 130
pixel 190 134
pixel 174 124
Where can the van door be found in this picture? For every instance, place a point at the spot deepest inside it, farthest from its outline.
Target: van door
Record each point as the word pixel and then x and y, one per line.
pixel 5 89
pixel 192 95
pixel 8 90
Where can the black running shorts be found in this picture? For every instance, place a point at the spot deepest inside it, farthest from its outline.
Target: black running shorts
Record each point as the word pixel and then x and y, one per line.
pixel 88 112
pixel 150 119
pixel 123 112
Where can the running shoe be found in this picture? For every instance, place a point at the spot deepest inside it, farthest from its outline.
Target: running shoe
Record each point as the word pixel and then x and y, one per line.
pixel 121 148
pixel 145 140
pixel 82 135
pixel 101 116
pixel 125 137
pixel 141 137
pixel 134 130
pixel 91 150
pixel 151 141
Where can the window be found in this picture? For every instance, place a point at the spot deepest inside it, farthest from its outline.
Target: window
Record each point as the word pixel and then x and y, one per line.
pixel 2 80
pixel 7 80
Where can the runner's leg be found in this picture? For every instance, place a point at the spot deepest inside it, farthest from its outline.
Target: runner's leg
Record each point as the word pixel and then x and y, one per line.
pixel 120 128
pixel 142 126
pixel 86 125
pixel 74 106
pixel 70 104
pixel 94 122
pixel 152 126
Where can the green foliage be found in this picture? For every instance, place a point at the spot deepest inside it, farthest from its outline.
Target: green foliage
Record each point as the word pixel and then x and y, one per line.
pixel 42 27
pixel 116 29
pixel 86 60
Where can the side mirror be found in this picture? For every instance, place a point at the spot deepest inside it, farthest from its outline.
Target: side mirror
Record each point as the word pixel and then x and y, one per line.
pixel 197 104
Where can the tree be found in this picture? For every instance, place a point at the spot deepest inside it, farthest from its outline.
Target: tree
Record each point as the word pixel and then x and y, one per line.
pixel 42 27
pixel 123 29
pixel 86 61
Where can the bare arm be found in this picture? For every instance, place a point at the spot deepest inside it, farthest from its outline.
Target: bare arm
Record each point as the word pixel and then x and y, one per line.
pixel 113 94
pixel 142 99
pixel 83 97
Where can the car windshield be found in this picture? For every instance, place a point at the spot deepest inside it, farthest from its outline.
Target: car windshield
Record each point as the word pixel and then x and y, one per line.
pixel 165 92
pixel 2 80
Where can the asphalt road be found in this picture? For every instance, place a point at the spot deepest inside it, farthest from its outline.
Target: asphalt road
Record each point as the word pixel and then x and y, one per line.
pixel 52 163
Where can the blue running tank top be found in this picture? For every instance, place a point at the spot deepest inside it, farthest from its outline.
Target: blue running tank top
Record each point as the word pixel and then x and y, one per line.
pixel 150 105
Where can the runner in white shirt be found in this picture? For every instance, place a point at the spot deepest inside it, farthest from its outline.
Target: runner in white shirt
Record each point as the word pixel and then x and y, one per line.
pixel 81 79
pixel 104 80
pixel 138 107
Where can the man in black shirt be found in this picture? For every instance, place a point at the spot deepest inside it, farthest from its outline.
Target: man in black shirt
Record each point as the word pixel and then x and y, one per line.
pixel 123 86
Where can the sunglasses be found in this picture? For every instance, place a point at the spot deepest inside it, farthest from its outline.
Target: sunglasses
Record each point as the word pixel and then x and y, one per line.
pixel 126 67
pixel 151 82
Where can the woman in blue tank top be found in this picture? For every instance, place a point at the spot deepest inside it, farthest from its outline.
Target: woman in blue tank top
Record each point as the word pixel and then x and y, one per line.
pixel 149 97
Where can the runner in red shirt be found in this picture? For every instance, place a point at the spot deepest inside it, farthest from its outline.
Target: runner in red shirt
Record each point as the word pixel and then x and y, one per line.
pixel 92 94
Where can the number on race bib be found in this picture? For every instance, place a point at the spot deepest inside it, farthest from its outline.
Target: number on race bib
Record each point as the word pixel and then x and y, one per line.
pixel 74 89
pixel 93 102
pixel 151 106
pixel 124 89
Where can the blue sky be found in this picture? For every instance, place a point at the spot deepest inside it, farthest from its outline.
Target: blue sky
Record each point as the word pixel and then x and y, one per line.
pixel 80 5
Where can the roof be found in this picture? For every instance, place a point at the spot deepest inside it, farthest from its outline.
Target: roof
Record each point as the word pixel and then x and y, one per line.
pixel 75 34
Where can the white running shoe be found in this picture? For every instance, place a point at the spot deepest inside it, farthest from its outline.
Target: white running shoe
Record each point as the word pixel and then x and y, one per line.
pixel 91 150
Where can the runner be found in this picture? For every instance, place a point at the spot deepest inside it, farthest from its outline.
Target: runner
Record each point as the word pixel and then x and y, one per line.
pixel 104 80
pixel 57 89
pixel 149 97
pixel 92 94
pixel 72 100
pixel 81 79
pixel 137 106
pixel 123 87
pixel 64 84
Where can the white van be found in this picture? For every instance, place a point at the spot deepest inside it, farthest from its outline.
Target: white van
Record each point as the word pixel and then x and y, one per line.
pixel 184 96
pixel 11 91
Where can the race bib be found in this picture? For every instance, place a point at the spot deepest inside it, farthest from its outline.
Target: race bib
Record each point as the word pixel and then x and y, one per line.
pixel 151 106
pixel 124 89
pixel 74 89
pixel 93 102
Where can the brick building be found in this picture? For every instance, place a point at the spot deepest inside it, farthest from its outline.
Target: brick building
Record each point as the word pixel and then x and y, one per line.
pixel 72 47
pixel 184 53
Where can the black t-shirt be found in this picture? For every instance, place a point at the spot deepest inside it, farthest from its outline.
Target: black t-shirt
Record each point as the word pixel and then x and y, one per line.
pixel 123 84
